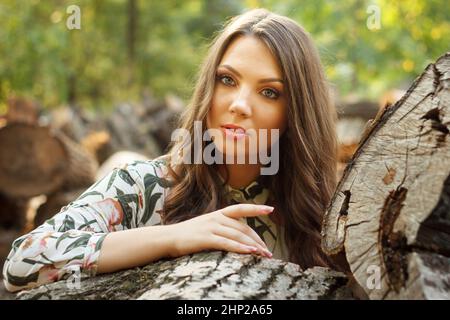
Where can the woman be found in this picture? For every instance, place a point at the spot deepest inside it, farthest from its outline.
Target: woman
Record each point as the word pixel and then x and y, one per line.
pixel 262 74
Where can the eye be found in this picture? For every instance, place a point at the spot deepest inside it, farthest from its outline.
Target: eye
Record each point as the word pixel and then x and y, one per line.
pixel 270 93
pixel 226 80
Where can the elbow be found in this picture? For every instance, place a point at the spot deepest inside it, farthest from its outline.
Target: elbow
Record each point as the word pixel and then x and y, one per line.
pixel 16 278
pixel 8 278
pixel 9 287
pixel 18 274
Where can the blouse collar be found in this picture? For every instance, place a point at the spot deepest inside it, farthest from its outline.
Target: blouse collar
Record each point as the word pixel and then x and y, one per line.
pixel 255 193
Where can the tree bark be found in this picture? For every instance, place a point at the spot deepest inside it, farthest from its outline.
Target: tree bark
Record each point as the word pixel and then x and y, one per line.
pixel 205 275
pixel 391 210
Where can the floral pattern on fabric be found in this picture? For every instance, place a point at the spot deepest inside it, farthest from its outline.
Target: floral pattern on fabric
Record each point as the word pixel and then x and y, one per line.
pixel 126 198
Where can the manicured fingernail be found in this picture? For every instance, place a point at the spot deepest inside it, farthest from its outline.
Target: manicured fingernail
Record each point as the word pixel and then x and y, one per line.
pixel 266 209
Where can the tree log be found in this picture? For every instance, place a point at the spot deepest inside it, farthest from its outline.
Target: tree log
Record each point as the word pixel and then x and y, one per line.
pixel 391 210
pixel 130 130
pixel 205 275
pixel 32 161
pixel 363 110
pixel 54 203
pixel 36 160
pixel 13 213
pixel 82 166
pixel 98 143
pixel 21 110
pixel 118 160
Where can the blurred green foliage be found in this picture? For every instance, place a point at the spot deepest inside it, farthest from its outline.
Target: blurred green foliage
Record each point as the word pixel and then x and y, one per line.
pixel 127 47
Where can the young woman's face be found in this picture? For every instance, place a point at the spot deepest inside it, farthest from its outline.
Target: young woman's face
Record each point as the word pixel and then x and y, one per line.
pixel 248 93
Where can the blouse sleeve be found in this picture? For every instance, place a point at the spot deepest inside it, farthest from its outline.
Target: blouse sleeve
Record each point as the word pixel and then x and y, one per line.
pixel 70 242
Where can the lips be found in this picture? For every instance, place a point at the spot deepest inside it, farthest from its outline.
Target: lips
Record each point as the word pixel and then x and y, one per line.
pixel 234 131
pixel 234 128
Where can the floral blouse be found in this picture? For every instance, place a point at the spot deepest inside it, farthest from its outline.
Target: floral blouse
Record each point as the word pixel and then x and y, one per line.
pixel 126 198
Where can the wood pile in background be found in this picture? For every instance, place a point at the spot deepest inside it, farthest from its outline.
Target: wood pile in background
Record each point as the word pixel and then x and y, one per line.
pixel 354 120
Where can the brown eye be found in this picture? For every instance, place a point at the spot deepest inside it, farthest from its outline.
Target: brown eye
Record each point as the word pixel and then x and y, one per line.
pixel 270 93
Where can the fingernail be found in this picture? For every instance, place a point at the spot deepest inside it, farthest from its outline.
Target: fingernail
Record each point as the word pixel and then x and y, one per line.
pixel 266 209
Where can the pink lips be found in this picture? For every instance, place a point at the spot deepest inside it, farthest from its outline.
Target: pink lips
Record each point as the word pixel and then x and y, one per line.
pixel 234 131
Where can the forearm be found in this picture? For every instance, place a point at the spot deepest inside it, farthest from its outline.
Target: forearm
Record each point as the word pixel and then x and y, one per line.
pixel 135 247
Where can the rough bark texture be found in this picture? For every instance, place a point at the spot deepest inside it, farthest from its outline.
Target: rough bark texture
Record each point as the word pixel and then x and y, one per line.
pixel 206 275
pixel 391 210
pixel 5 295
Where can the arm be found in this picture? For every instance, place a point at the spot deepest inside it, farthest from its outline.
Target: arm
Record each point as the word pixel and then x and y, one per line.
pixel 131 248
pixel 81 239
pixel 72 240
pixel 218 230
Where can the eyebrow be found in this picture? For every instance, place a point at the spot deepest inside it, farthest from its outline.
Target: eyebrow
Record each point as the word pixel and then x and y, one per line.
pixel 240 76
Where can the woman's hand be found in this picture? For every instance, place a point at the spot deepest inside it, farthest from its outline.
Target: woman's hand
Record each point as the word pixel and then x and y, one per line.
pixel 220 230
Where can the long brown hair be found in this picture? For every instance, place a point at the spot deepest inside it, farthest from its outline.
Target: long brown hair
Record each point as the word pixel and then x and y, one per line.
pixel 306 179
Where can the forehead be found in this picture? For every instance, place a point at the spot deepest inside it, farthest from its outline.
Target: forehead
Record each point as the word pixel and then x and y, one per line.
pixel 248 53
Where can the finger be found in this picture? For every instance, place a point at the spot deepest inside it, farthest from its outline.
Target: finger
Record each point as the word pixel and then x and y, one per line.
pixel 241 210
pixel 233 223
pixel 236 235
pixel 226 244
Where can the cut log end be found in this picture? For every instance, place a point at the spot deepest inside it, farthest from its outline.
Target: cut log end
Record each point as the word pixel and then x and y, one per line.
pixel 391 210
pixel 41 165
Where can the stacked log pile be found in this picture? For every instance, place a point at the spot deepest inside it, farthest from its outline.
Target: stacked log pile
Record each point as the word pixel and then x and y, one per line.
pixel 354 119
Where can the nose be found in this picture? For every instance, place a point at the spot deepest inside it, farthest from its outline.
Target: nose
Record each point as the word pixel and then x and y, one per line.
pixel 241 104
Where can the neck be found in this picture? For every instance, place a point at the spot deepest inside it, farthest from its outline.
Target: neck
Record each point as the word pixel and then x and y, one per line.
pixel 240 175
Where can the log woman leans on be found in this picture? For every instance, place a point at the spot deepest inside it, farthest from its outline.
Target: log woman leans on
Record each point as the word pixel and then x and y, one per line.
pixel 261 72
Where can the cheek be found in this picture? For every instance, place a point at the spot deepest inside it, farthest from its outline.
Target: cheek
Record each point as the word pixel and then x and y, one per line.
pixel 272 117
